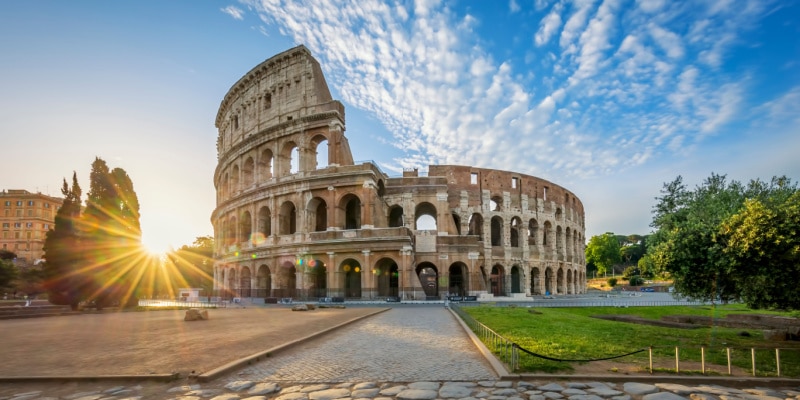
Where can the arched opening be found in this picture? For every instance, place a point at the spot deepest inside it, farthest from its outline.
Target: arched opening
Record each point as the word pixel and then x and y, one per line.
pixel 396 217
pixel 232 286
pixel 230 236
pixel 234 180
pixel 560 243
pixel 496 203
pixel 428 277
pixel 497 280
pixel 548 282
pixel 425 217
pixel 388 277
pixel 244 283
pixel 516 224
pixel 245 227
pixel 457 286
pixel 536 287
pixel 320 145
pixel 263 282
pixel 294 160
pixel 533 231
pixel 457 223
pixel 287 219
pixel 317 214
pixel 546 234
pixel 560 281
pixel 351 205
pixel 497 231
pixel 318 278
pixel 265 165
pixel 569 282
pixel 476 226
pixel 352 278
pixel 264 223
pixel 286 281
pixel 516 279
pixel 224 186
pixel 247 172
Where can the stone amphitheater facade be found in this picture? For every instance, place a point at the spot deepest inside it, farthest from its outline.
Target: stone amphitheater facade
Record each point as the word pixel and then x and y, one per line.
pixel 296 217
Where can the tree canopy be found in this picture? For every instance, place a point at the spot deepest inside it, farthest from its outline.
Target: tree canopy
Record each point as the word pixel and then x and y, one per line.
pixel 603 251
pixel 711 243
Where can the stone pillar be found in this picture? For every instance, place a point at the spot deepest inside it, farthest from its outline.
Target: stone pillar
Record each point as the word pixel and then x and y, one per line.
pixel 367 285
pixel 333 276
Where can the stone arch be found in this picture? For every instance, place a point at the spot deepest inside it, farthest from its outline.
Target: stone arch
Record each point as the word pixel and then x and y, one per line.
pixel 248 172
pixel 396 216
pixel 560 281
pixel 351 275
pixel 568 244
pixel 224 186
pixel 286 281
pixel 516 279
pixel 231 284
pixel 497 231
pixel 244 283
pixel 234 183
pixel 496 203
pixel 428 276
pixel 317 215
pixel 458 284
pixel 548 281
pixel 569 282
pixel 288 160
pixel 387 275
pixel 457 222
pixel 320 158
pixel 264 222
pixel 560 242
pixel 476 226
pixel 263 281
pixel 245 227
pixel 265 171
pixel 287 219
pixel 559 214
pixel 317 273
pixel 516 226
pixel 350 207
pixel 424 216
pixel 533 231
pixel 536 286
pixel 497 280
pixel 546 234
pixel 230 236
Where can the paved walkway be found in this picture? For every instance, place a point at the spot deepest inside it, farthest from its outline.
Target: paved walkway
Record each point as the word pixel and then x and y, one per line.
pixel 404 344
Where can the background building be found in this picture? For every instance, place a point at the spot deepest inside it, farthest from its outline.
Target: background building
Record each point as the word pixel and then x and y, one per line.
pixel 296 217
pixel 26 217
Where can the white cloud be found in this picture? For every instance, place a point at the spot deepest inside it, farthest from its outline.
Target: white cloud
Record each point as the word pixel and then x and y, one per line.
pixel 234 12
pixel 548 26
pixel 513 6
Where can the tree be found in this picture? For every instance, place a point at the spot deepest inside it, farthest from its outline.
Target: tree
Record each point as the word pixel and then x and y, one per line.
pixel 603 252
pixel 8 273
pixel 111 236
pixel 689 244
pixel 64 281
pixel 763 246
pixel 193 264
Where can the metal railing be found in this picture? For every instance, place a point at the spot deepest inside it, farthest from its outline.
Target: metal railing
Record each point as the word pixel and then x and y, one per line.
pixel 505 349
pixel 182 304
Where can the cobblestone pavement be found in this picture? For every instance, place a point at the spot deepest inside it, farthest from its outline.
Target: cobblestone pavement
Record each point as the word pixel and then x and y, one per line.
pixel 404 344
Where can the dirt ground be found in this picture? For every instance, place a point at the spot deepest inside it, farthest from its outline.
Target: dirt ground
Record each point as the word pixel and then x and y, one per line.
pixel 153 342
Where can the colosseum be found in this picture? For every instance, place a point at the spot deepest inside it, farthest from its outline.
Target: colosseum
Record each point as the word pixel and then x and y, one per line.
pixel 296 217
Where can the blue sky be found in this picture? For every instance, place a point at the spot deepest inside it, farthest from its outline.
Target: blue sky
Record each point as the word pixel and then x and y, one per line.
pixel 609 98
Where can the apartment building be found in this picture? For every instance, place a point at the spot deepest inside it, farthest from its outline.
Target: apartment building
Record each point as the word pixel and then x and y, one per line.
pixel 25 218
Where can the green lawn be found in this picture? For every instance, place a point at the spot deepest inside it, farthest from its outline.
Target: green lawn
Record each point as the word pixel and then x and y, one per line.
pixel 570 333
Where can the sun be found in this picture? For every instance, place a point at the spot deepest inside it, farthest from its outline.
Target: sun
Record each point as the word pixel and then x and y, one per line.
pixel 155 245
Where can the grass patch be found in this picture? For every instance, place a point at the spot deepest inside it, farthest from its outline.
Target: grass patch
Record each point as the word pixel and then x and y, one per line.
pixel 570 333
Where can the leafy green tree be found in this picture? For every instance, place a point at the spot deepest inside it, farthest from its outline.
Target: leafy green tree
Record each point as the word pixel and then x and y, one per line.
pixel 603 252
pixel 612 282
pixel 194 264
pixel 8 273
pixel 763 246
pixel 111 236
pixel 64 280
pixel 688 244
pixel 636 280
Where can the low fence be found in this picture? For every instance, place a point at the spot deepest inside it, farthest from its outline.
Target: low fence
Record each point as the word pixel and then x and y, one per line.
pixel 183 304
pixel 509 352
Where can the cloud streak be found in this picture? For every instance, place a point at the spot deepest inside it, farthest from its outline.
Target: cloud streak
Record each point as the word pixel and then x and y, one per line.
pixel 618 86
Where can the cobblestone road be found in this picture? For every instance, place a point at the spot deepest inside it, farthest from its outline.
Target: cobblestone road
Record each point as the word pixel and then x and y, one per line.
pixel 404 344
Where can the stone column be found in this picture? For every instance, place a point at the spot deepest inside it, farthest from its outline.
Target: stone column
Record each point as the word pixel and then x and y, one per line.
pixel 367 286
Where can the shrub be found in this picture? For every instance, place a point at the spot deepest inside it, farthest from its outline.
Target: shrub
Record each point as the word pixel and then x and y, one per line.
pixel 612 282
pixel 636 281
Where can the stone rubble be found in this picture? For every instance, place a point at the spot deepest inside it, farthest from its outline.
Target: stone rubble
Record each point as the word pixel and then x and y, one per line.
pixel 486 390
